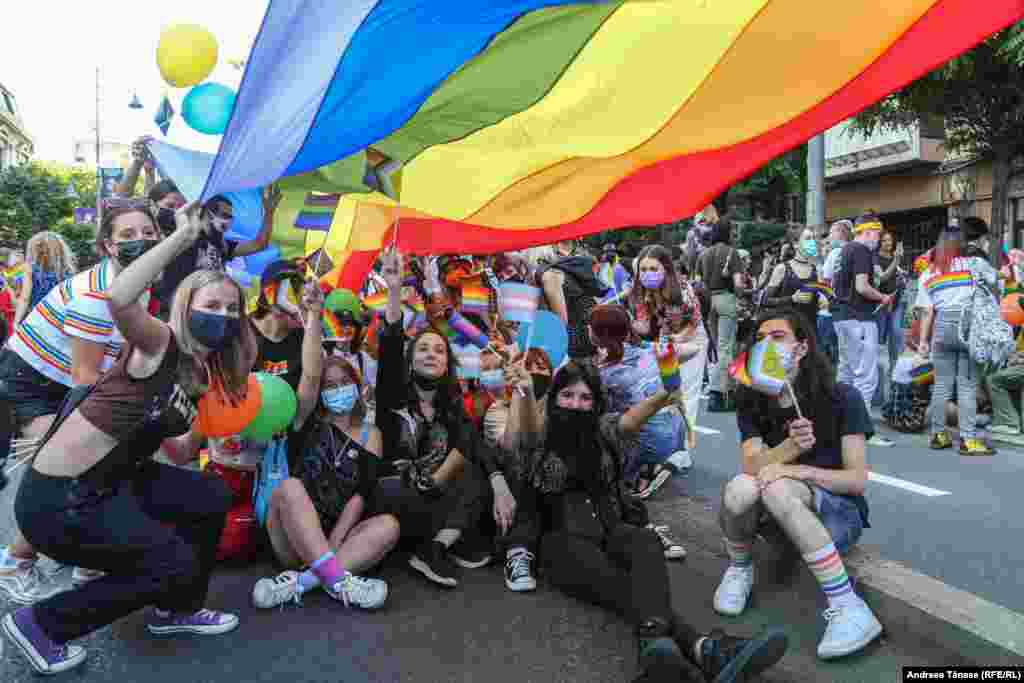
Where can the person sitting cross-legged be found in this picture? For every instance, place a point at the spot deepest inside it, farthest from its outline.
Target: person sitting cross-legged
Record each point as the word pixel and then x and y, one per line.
pixel 804 474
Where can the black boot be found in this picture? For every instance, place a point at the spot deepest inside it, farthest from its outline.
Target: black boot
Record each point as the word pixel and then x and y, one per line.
pixel 727 659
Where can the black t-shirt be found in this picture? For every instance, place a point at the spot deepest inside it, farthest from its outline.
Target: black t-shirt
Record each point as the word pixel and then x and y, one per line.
pixel 886 285
pixel 855 259
pixel 283 358
pixel 770 422
pixel 207 253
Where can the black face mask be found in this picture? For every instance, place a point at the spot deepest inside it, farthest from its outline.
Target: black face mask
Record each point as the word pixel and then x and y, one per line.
pixel 426 383
pixel 212 330
pixel 128 252
pixel 165 219
pixel 541 384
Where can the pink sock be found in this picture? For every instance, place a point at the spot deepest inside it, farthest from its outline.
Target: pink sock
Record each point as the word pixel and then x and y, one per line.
pixel 327 570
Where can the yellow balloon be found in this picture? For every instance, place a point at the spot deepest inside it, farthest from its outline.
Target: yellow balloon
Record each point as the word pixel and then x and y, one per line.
pixel 186 54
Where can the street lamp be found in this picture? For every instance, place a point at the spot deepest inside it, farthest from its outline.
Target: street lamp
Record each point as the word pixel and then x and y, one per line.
pixel 135 103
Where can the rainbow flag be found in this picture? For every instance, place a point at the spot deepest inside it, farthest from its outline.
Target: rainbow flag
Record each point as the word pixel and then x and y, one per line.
pixel 923 374
pixel 377 302
pixel 668 367
pixel 317 212
pixel 476 299
pixel 819 288
pixel 331 326
pixel 760 368
pixel 467 330
pixel 519 302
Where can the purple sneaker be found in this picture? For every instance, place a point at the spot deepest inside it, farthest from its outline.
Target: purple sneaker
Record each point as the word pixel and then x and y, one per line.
pixel 45 656
pixel 205 622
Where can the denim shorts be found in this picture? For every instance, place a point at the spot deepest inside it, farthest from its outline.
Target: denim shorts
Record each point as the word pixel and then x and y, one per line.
pixel 838 513
pixel 660 437
pixel 28 392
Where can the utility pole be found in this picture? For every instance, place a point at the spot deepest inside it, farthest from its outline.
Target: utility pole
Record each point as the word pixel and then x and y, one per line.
pixel 816 180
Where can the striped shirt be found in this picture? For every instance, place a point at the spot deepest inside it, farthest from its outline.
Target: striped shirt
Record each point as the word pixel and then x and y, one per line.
pixel 74 309
pixel 946 291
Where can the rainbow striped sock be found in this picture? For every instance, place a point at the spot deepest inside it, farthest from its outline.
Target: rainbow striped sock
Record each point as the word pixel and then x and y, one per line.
pixel 741 554
pixel 829 570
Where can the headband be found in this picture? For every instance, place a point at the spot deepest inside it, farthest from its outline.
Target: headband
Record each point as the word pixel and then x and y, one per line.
pixel 870 225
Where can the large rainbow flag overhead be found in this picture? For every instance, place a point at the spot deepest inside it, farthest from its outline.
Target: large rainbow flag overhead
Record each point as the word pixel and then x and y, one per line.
pixel 509 123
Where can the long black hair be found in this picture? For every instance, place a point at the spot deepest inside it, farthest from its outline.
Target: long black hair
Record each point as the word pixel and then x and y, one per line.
pixel 448 392
pixel 814 387
pixel 569 374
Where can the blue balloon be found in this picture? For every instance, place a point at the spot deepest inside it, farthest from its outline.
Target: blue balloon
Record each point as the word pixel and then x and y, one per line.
pixel 549 334
pixel 207 108
pixel 256 263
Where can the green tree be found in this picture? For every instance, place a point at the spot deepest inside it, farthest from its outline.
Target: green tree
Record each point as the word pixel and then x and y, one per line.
pixel 31 199
pixel 980 96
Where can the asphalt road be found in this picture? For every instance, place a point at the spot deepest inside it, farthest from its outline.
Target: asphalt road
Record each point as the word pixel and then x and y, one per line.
pixel 956 519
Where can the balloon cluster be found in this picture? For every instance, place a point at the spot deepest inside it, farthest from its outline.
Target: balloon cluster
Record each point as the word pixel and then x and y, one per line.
pixel 267 408
pixel 186 56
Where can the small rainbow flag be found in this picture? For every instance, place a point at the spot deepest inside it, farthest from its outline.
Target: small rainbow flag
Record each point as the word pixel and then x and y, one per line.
pixel 476 300
pixel 377 302
pixel 467 330
pixel 760 368
pixel 668 366
pixel 317 212
pixel 923 374
pixel 819 288
pixel 331 326
pixel 519 302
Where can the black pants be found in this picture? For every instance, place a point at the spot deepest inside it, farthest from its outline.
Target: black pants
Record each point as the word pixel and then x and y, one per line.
pixel 121 531
pixel 627 575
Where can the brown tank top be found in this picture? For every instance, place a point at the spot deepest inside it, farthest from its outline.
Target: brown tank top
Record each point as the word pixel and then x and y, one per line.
pixel 138 413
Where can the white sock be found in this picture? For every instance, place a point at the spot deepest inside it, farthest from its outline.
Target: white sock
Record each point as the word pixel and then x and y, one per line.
pixel 518 550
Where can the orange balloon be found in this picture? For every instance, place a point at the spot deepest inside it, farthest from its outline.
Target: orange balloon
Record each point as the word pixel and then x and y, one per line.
pixel 218 417
pixel 1011 310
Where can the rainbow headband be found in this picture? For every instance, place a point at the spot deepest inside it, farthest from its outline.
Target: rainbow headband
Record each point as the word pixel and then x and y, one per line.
pixel 872 225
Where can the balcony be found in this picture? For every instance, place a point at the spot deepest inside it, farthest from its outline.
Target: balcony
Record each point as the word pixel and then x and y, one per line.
pixel 851 157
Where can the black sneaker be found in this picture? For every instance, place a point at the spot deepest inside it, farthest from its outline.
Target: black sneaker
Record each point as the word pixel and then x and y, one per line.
pixel 431 560
pixel 727 659
pixel 519 572
pixel 471 553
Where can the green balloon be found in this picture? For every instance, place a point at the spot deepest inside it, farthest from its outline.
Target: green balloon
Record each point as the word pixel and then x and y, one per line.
pixel 277 408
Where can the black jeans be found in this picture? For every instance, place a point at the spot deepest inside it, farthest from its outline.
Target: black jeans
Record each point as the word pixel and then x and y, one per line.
pixel 628 576
pixel 122 531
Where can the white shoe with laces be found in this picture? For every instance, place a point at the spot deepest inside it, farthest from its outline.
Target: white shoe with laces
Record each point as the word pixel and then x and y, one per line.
pixel 673 549
pixel 734 591
pixel 277 590
pixel 850 628
pixel 81 576
pixel 358 591
pixel 26 584
pixel 519 572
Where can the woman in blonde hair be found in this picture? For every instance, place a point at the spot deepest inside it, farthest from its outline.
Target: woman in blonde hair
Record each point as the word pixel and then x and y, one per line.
pixel 50 260
pixel 94 497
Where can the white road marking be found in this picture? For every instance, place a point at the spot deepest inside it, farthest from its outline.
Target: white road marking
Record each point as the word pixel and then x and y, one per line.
pixel 705 430
pixel 907 485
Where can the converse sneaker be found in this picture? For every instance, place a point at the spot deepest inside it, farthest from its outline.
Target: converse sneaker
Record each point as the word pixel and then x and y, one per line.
pixel 45 656
pixel 734 590
pixel 25 583
pixel 673 549
pixel 359 591
pixel 431 560
pixel 519 571
pixel 81 576
pixel 277 590
pixel 471 553
pixel 205 622
pixel 850 628
pixel 727 659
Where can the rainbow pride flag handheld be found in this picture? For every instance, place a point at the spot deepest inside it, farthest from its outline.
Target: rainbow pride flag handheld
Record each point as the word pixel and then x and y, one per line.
pixel 467 330
pixel 476 299
pixel 377 302
pixel 761 368
pixel 819 288
pixel 317 212
pixel 668 366
pixel 331 326
pixel 519 302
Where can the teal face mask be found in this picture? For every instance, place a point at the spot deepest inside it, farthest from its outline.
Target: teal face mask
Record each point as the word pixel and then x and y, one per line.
pixel 809 248
pixel 340 400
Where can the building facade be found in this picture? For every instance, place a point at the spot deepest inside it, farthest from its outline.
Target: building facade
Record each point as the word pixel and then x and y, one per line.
pixel 16 145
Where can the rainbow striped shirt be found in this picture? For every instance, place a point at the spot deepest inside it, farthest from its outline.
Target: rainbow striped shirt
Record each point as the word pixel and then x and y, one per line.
pixel 952 289
pixel 77 307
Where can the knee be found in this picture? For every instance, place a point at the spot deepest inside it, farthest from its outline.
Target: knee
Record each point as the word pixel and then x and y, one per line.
pixel 740 494
pixel 287 493
pixel 781 497
pixel 390 530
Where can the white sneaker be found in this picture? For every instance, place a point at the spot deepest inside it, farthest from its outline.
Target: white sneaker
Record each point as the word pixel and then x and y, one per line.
pixel 81 576
pixel 734 591
pixel 359 591
pixel 278 590
pixel 850 628
pixel 879 440
pixel 1004 429
pixel 681 460
pixel 673 549
pixel 25 584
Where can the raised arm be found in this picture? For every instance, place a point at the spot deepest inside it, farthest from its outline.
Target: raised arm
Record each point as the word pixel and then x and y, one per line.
pixel 271 198
pixel 635 418
pixel 312 353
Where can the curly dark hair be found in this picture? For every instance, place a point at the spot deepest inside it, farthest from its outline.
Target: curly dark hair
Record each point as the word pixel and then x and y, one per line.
pixel 578 371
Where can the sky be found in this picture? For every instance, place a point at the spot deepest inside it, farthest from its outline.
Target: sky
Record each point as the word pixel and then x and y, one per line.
pixel 51 48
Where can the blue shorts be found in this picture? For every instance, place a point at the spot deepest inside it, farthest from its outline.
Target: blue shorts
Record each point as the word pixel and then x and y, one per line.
pixel 838 513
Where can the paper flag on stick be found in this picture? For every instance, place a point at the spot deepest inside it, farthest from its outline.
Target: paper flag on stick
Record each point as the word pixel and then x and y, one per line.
pixel 467 330
pixel 668 367
pixel 519 302
pixel 820 288
pixel 476 299
pixel 164 115
pixel 377 302
pixel 761 368
pixel 317 212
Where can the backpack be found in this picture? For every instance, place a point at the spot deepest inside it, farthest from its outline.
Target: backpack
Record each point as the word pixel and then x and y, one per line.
pixel 988 338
